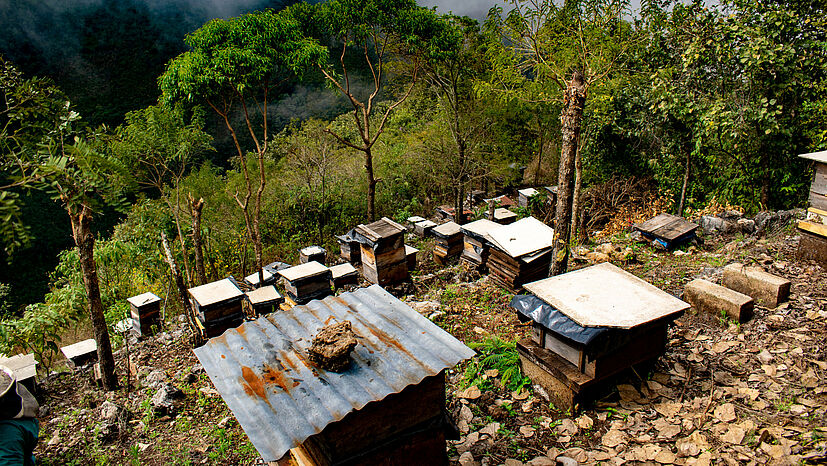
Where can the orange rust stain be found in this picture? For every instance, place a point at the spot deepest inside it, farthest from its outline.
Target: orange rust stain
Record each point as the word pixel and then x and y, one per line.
pixel 327 321
pixel 242 330
pixel 277 377
pixel 286 359
pixel 388 340
pixel 223 357
pixel 252 382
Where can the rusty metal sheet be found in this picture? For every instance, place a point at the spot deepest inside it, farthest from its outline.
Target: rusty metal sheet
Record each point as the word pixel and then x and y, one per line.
pixel 262 371
pixel 605 295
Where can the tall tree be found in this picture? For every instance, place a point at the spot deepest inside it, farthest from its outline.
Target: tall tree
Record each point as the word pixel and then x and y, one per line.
pixel 160 146
pixel 234 66
pixel 376 32
pixel 550 52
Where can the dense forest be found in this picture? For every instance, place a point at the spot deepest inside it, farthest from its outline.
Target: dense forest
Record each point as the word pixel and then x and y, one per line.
pixel 243 139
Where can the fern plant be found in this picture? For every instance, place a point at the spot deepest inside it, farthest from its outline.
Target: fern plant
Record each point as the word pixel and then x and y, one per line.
pixel 495 353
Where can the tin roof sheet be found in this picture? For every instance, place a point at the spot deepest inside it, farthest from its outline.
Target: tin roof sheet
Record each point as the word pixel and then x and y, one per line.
pixel 215 292
pixel 310 269
pixel 80 348
pixel 262 371
pixel 143 299
pixel 523 237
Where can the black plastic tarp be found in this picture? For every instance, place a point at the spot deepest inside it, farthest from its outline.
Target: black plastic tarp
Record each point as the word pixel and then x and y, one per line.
pixel 530 307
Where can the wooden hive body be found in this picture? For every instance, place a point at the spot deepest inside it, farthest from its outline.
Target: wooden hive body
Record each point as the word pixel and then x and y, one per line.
pixel 383 252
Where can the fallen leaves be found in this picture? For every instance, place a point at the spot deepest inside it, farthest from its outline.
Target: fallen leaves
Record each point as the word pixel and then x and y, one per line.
pixel 725 412
pixel 613 438
pixel 471 393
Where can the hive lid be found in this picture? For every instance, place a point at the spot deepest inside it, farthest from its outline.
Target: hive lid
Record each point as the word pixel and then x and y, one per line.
pixel 382 228
pixel 342 269
pixel 816 156
pixel 416 219
pixel 410 250
pixel 501 213
pixel 263 373
pixel 308 270
pixel 215 292
pixel 528 192
pixel 143 299
pixel 667 226
pixel 24 366
pixel 523 237
pixel 265 294
pixel 313 250
pixel 604 295
pixel 480 228
pixel 80 348
pixel 253 277
pixel 446 230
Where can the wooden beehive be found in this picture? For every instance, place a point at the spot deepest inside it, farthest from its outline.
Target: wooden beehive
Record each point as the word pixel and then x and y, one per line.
pixel 218 306
pixel 410 256
pixel 306 282
pixel 253 278
pixel 313 253
pixel 82 352
pixel 503 216
pixel 145 311
pixel 383 252
pixel 423 228
pixel 667 229
pixel 477 243
pixel 404 429
pixel 627 319
pixel 523 195
pixel 343 274
pixel 813 229
pixel 349 248
pixel 264 300
pixel 448 242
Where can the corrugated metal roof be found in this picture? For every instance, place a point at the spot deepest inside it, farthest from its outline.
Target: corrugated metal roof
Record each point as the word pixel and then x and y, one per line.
pixel 262 371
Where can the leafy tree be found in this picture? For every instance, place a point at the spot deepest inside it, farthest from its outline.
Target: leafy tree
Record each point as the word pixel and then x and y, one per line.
pixel 378 31
pixel 550 52
pixel 234 66
pixel 160 146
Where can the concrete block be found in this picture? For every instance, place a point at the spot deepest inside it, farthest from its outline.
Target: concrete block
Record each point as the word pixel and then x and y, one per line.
pixel 766 288
pixel 709 297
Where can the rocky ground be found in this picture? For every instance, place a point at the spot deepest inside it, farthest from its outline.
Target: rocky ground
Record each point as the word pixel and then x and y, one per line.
pixel 722 392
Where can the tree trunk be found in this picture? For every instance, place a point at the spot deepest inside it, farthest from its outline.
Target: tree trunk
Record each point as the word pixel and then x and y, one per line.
pixel 460 213
pixel 196 208
pixel 539 155
pixel 571 119
pixel 81 218
pixel 578 183
pixel 179 283
pixel 683 188
pixel 371 185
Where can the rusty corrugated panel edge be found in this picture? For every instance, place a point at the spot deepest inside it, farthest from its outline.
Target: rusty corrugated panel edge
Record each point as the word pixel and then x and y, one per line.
pixel 262 372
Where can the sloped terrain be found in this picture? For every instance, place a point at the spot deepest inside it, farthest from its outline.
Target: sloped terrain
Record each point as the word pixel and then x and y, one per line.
pixel 723 392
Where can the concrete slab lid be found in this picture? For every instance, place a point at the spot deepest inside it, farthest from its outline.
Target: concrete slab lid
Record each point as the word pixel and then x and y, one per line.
pixel 342 269
pixel 253 277
pixel 481 227
pixel 503 213
pixel 24 366
pixel 604 295
pixel 416 219
pixel 410 250
pixel 80 348
pixel 425 223
pixel 523 237
pixel 528 192
pixel 447 229
pixel 263 295
pixel 215 292
pixel 143 299
pixel 307 270
pixel 311 250
pixel 817 156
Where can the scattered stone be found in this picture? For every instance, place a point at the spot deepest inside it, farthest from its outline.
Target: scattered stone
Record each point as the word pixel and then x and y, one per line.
pixel 332 346
pixel 155 378
pixel 167 399
pixel 110 419
pixel 711 298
